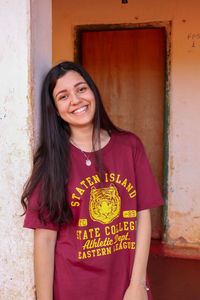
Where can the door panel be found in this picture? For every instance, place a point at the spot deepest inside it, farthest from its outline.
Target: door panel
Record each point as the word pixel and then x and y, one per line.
pixel 128 67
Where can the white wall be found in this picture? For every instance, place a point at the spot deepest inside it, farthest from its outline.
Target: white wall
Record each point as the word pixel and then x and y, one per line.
pixel 23 62
pixel 15 146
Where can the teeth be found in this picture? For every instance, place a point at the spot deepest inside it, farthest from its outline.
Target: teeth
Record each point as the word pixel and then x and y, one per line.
pixel 80 109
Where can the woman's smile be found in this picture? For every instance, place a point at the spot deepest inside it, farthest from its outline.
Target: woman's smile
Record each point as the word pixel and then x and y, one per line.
pixel 80 110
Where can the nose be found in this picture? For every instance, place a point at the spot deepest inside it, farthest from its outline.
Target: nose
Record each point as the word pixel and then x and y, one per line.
pixel 74 99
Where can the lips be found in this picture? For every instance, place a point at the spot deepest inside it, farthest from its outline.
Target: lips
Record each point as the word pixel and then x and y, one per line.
pixel 80 110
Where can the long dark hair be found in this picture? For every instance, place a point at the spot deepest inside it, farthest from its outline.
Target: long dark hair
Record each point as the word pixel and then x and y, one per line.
pixel 48 166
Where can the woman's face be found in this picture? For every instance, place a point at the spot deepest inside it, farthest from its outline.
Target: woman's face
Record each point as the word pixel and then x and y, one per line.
pixel 74 100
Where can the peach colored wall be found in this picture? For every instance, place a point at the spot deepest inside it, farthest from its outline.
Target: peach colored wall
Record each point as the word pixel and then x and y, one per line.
pixel 184 131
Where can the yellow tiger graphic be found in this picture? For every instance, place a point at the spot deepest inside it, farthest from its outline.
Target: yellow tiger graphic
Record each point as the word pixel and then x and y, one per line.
pixel 105 204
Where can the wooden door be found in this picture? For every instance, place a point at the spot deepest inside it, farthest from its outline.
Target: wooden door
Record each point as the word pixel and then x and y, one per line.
pixel 128 67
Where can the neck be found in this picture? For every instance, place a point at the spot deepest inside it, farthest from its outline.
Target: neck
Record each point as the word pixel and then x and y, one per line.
pixel 82 137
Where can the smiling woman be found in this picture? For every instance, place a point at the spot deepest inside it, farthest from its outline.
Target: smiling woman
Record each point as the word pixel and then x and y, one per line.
pixel 90 183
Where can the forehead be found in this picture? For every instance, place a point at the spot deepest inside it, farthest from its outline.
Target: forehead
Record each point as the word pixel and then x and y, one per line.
pixel 68 81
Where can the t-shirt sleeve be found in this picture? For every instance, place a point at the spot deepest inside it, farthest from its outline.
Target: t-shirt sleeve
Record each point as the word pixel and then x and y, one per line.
pixel 147 190
pixel 32 219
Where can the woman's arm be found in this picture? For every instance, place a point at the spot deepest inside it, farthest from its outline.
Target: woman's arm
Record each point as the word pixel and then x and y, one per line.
pixel 44 248
pixel 136 289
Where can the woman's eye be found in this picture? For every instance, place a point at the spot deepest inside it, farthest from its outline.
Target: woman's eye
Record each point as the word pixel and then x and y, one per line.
pixel 82 89
pixel 62 97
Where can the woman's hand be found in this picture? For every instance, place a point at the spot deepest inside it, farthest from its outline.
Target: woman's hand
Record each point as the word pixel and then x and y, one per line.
pixel 135 292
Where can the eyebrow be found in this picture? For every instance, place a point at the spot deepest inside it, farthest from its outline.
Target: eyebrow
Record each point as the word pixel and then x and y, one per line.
pixel 78 83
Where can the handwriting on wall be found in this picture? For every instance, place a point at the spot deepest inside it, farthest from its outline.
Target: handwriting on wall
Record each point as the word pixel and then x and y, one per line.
pixel 194 38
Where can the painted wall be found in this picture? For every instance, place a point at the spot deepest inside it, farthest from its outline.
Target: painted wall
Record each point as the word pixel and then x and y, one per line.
pixel 25 55
pixel 184 130
pixel 15 147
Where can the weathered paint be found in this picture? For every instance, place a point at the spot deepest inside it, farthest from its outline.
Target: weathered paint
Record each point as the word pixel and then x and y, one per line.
pixel 121 26
pixel 182 93
pixel 166 131
pixel 183 250
pixel 41 58
pixel 15 148
pixel 18 68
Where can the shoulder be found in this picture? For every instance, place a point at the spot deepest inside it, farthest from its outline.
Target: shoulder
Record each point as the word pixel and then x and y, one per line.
pixel 129 143
pixel 128 139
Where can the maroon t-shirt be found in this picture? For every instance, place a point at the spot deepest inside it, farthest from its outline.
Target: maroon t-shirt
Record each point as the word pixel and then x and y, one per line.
pixel 94 255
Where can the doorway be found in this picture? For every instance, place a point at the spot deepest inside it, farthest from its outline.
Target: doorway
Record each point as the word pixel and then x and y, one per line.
pixel 128 66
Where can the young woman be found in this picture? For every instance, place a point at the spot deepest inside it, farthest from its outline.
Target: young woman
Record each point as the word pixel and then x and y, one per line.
pixel 90 183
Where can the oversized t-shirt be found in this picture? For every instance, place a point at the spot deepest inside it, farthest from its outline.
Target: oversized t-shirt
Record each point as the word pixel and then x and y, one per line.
pixel 94 254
